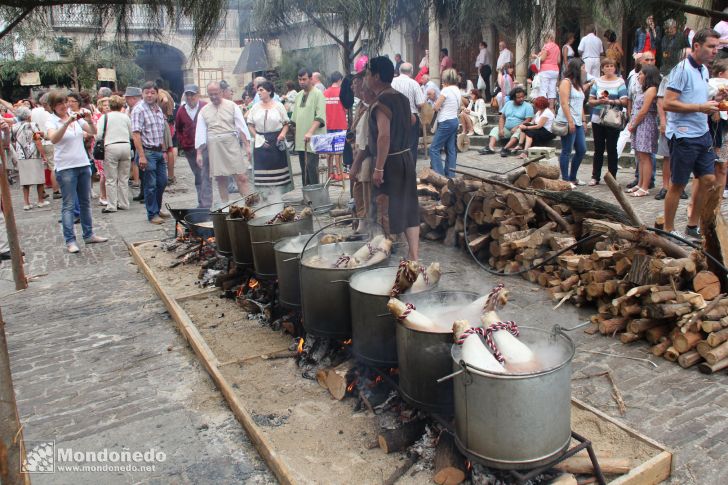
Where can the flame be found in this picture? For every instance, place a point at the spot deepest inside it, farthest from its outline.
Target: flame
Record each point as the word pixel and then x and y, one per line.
pixel 300 346
pixel 240 290
pixel 347 342
pixel 253 283
pixel 350 387
pixel 468 465
pixel 210 240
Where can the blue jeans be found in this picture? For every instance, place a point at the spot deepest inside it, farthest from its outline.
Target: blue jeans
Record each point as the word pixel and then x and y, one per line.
pixel 75 187
pixel 576 141
pixel 445 136
pixel 654 169
pixel 155 181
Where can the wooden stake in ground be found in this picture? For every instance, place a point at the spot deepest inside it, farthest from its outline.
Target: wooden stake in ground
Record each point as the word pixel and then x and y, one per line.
pixel 619 195
pixel 11 436
pixel 16 255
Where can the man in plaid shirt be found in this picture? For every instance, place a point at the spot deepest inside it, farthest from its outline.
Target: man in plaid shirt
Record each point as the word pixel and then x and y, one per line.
pixel 148 124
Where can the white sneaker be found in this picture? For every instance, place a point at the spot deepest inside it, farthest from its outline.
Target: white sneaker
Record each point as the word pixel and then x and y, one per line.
pixel 72 248
pixel 679 234
pixel 45 203
pixel 27 207
pixel 103 202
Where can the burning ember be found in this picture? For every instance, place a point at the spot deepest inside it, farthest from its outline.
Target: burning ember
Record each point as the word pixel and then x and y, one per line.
pixel 352 385
pixel 253 283
pixel 299 349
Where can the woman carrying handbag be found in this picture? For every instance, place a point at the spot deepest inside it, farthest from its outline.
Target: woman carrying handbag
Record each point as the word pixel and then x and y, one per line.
pixel 568 123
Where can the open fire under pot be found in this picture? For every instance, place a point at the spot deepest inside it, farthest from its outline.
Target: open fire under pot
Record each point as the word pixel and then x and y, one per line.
pixel 287 256
pixel 424 357
pixel 325 290
pixel 373 328
pixel 516 421
pixel 265 232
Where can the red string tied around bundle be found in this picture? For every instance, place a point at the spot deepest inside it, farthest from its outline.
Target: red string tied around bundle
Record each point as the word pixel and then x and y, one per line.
pixel 407 310
pixel 343 259
pixel 487 334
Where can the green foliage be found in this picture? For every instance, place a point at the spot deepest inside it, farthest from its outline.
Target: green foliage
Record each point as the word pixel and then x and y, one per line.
pixel 292 61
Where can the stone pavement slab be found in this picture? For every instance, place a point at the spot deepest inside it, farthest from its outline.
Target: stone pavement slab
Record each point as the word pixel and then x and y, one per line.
pixel 97 363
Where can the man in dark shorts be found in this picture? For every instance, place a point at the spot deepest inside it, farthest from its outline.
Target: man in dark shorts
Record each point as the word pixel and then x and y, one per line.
pixel 691 146
pixel 394 176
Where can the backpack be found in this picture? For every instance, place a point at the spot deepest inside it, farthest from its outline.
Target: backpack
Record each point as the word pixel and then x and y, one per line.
pixel 25 145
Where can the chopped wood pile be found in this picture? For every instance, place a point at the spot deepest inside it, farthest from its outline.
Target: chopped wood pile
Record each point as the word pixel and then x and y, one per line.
pixel 644 286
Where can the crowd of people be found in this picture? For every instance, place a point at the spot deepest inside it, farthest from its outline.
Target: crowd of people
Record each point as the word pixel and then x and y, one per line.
pixel 667 106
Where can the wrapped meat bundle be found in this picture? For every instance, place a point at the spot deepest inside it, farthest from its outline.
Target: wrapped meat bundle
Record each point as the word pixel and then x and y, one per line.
pixel 241 212
pixel 474 352
pixel 410 317
pixel 427 277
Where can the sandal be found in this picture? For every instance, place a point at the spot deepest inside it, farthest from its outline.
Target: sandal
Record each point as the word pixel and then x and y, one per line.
pixel 518 148
pixel 640 192
pixel 632 189
pixel 593 182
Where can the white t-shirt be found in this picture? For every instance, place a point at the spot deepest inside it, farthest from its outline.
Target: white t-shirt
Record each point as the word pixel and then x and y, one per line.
pixel 40 117
pixel 69 151
pixel 549 115
pixel 449 108
pixel 590 47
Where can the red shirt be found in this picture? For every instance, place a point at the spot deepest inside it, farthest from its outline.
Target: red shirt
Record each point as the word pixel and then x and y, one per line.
pixel 335 112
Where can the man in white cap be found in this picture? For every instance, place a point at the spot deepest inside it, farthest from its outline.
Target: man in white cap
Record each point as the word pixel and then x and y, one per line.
pixel 185 125
pixel 221 132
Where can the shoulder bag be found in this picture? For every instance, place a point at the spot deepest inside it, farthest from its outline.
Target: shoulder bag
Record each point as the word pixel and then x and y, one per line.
pixel 560 128
pixel 612 117
pixel 99 151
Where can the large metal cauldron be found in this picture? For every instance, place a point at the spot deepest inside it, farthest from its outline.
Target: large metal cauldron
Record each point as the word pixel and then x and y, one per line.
pixel 222 235
pixel 516 421
pixel 424 357
pixel 373 328
pixel 264 236
pixel 240 241
pixel 287 254
pixel 325 291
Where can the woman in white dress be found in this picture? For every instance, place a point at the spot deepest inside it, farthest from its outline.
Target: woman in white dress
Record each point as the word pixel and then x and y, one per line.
pixel 476 111
pixel 26 139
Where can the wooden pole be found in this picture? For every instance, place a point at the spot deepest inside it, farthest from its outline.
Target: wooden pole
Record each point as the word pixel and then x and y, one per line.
pixel 11 436
pixel 619 195
pixel 16 255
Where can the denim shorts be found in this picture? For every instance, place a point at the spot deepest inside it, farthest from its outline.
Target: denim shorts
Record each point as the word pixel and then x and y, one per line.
pixel 691 156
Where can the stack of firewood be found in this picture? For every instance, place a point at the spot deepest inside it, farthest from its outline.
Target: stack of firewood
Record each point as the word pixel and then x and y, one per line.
pixel 643 286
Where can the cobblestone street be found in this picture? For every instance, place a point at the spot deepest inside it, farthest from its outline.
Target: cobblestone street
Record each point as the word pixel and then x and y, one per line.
pixel 97 363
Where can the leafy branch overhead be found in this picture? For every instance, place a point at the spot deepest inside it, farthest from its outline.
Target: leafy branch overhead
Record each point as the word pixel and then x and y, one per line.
pixel 206 16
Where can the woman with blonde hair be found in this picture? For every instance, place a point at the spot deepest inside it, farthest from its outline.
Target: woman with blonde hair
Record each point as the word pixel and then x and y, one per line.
pixel 447 107
pixel 114 128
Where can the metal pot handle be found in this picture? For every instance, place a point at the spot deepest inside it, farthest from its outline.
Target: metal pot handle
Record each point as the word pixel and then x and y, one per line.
pixel 463 370
pixel 556 329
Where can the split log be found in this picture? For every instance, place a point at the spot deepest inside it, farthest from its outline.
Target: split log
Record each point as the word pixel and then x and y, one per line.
pixel 558 243
pixel 479 242
pixel 629 337
pixel 689 359
pixel 716 353
pixel 659 348
pixel 710 326
pixel 671 354
pixel 706 368
pixel 449 463
pixel 429 176
pixel 630 310
pixel 569 282
pixel 595 290
pixel 632 234
pixel 582 465
pixel 543 169
pixel 520 203
pixel 666 310
pixel 337 379
pixel 549 184
pixel 602 275
pixel 565 479
pixel 523 181
pixel 461 185
pixel 394 440
pixel 684 342
pixel 608 327
pixel 717 338
pixel 703 347
pixel 707 284
pixel 427 190
pixel 641 324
